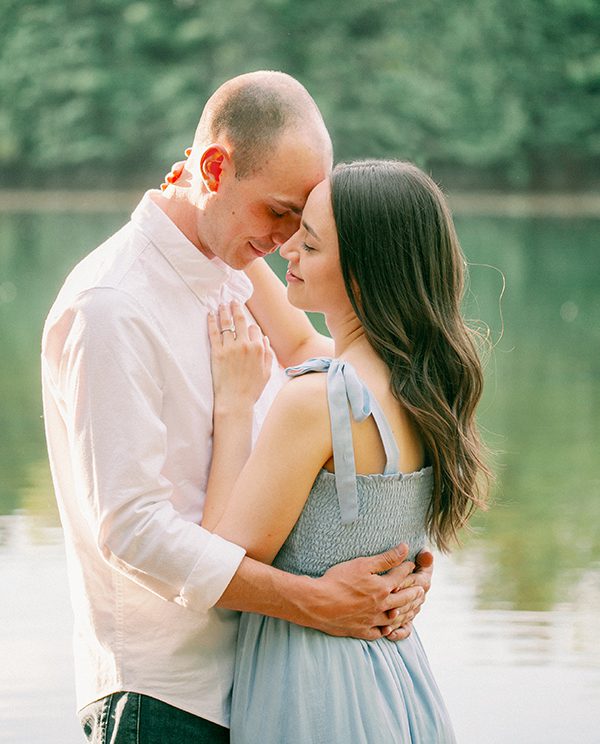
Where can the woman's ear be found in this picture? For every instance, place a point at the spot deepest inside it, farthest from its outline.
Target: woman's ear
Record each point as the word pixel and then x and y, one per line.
pixel 211 166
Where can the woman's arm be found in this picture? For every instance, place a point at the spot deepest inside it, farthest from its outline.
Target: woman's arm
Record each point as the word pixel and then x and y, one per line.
pixel 255 499
pixel 272 488
pixel 241 364
pixel 291 333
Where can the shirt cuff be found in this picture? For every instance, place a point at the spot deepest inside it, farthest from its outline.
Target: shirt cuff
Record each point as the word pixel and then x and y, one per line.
pixel 211 575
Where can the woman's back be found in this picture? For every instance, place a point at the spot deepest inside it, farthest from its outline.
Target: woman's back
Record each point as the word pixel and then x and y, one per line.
pixel 391 507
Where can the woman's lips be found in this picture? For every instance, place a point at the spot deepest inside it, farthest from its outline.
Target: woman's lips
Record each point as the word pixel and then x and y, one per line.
pixel 292 278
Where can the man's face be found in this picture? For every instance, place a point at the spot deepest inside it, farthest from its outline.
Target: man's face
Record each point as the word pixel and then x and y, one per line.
pixel 248 218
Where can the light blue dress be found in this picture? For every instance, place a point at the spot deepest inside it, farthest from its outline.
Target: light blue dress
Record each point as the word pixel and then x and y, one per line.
pixel 295 685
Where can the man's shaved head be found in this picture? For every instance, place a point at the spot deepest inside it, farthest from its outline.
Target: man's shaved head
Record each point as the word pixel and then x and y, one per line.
pixel 251 112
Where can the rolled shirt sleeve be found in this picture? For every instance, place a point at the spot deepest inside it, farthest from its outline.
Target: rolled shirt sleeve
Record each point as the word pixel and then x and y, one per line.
pixel 103 364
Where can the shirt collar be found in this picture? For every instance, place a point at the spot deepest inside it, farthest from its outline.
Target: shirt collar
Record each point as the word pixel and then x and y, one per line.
pixel 201 274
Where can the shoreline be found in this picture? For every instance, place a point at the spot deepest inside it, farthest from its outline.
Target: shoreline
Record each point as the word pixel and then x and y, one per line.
pixel 489 204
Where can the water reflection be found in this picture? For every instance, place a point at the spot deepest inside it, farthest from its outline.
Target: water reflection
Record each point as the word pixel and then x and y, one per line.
pixel 541 404
pixel 36 251
pixel 539 410
pixel 525 590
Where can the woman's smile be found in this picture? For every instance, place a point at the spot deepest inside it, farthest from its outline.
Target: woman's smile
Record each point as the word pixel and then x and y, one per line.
pixel 290 277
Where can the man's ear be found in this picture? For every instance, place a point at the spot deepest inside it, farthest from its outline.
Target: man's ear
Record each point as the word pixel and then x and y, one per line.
pixel 212 161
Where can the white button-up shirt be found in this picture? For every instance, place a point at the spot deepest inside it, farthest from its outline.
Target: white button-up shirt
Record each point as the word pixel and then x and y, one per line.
pixel 128 411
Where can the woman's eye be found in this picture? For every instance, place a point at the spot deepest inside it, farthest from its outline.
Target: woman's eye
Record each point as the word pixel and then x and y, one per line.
pixel 307 247
pixel 276 213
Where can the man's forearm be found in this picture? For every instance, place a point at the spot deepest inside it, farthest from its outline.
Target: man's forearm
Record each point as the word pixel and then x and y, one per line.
pixel 363 598
pixel 258 587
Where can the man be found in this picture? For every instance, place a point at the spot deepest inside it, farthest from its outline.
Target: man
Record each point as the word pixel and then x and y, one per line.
pixel 128 412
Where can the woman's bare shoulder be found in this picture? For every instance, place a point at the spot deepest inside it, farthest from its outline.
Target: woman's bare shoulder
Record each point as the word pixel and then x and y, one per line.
pixel 304 398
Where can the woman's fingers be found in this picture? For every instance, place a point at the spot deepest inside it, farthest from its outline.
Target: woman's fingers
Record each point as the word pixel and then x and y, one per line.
pixel 228 329
pixel 239 320
pixel 255 334
pixel 234 325
pixel 176 170
pixel 268 355
pixel 267 350
pixel 240 357
pixel 174 174
pixel 213 331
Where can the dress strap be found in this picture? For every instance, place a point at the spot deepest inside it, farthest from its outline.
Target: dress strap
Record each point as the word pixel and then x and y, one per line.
pixel 346 393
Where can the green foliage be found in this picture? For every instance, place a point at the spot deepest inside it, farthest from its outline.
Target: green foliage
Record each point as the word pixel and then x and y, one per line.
pixel 115 88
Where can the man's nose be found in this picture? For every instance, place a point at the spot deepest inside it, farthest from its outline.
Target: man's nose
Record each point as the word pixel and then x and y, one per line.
pixel 280 235
pixel 284 228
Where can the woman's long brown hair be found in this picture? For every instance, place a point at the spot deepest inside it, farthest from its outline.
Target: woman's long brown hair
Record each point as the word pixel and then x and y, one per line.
pixel 404 272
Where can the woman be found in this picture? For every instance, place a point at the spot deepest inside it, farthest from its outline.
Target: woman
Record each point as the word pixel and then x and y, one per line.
pixel 381 446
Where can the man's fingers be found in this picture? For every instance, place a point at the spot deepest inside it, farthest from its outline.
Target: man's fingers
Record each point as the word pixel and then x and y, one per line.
pixel 407 583
pixel 399 574
pixel 388 560
pixel 400 634
pixel 424 559
pixel 373 634
pixel 423 575
pixel 404 599
pixel 402 580
pixel 391 632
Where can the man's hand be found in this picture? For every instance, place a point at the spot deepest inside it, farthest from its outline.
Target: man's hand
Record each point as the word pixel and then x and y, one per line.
pixel 422 578
pixel 355 599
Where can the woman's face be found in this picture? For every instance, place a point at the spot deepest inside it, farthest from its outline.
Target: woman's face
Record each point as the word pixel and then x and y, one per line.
pixel 314 277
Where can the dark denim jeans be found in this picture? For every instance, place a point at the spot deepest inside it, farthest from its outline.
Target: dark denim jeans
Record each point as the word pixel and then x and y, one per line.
pixel 131 718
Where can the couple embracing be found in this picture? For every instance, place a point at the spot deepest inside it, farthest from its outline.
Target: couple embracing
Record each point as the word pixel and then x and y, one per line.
pixel 195 478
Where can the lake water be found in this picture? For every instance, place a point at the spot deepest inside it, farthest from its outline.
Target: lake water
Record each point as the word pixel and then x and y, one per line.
pixel 513 620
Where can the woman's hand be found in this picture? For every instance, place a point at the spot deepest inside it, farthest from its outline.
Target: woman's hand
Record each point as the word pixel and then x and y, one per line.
pixel 241 360
pixel 176 170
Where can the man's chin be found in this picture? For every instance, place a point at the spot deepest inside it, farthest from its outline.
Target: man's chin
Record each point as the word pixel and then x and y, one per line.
pixel 243 262
pixel 240 264
pixel 256 252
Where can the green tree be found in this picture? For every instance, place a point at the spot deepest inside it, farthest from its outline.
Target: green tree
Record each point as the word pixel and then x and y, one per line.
pixel 505 93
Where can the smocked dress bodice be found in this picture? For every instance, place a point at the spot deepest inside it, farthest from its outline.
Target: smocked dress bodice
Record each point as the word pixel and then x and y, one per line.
pixel 348 514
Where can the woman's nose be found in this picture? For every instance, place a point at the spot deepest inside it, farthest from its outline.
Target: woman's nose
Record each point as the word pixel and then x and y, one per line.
pixel 287 249
pixel 284 249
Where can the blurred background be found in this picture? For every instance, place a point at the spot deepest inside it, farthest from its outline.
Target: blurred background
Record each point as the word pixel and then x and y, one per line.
pixel 500 102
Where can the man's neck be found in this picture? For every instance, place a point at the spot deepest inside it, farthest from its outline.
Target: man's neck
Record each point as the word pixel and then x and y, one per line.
pixel 183 215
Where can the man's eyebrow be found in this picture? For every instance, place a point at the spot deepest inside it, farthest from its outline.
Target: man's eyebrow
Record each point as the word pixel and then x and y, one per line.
pixel 309 229
pixel 292 206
